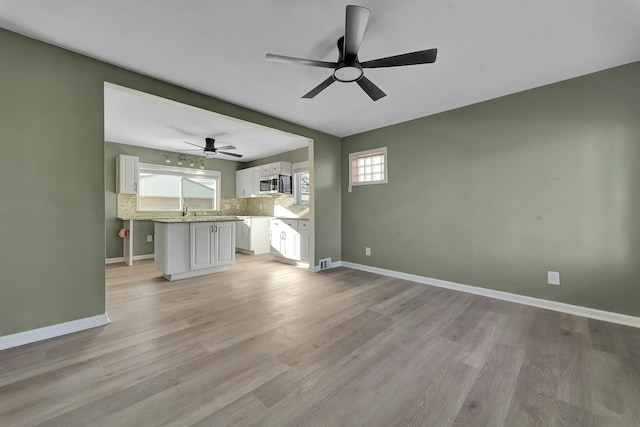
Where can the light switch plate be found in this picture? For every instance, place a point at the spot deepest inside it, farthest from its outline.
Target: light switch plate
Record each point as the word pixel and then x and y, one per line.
pixel 553 278
pixel 149 238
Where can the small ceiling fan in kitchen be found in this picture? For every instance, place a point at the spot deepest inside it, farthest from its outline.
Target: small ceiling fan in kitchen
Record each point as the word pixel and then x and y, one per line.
pixel 211 149
pixel 348 68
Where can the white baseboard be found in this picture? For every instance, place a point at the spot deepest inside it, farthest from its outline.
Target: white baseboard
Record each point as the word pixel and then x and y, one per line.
pixel 592 313
pixel 135 258
pixel 28 337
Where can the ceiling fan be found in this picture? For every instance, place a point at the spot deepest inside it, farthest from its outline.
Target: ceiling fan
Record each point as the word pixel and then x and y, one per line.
pixel 348 68
pixel 210 148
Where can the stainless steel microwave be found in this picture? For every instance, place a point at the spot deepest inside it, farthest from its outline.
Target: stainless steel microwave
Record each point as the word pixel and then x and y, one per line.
pixel 276 184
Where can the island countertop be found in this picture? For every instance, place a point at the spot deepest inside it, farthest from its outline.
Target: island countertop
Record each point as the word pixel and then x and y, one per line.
pixel 189 218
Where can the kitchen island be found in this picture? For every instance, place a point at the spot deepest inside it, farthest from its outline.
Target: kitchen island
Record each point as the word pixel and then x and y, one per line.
pixel 194 245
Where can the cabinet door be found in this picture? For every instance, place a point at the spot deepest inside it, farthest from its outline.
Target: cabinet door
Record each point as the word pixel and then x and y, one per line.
pixel 255 181
pixel 127 174
pixel 276 229
pixel 304 236
pixel 292 243
pixel 275 168
pixel 239 184
pixel 202 245
pixel 225 243
pixel 265 171
pixel 243 183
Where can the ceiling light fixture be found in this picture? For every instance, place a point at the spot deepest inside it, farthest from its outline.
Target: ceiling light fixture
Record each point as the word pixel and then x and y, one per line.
pixel 201 164
pixel 166 158
pixel 191 163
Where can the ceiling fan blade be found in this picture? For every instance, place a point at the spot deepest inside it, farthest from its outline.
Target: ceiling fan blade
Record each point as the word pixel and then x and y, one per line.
pixel 230 154
pixel 193 150
pixel 372 90
pixel 413 58
pixel 354 28
pixel 195 145
pixel 322 86
pixel 299 61
pixel 226 147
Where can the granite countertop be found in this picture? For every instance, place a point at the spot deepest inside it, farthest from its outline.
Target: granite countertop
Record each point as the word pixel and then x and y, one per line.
pixel 190 218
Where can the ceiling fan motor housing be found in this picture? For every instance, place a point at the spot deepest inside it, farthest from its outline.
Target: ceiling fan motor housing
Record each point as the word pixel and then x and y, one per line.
pixel 210 144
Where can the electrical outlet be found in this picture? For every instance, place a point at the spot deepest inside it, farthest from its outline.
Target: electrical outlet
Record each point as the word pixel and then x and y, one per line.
pixel 227 207
pixel 553 278
pixel 367 251
pixel 149 238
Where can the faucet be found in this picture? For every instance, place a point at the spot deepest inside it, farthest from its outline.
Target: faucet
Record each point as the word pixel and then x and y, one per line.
pixel 185 210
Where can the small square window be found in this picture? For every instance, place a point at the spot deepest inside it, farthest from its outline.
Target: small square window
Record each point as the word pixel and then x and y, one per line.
pixel 368 167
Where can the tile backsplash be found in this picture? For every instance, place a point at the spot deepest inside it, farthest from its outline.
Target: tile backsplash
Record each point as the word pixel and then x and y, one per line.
pixel 281 205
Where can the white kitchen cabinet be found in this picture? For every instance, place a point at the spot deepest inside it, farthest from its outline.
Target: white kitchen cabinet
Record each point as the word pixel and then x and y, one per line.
pixel 171 247
pixel 212 244
pixel 277 168
pixel 285 168
pixel 248 182
pixel 252 235
pixel 304 233
pixel 127 174
pixel 243 183
pixel 265 171
pixel 276 237
pixel 224 243
pixel 202 245
pixel 290 239
pixel 189 249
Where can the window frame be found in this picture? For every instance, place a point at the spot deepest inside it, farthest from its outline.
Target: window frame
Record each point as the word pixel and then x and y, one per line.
pixel 297 168
pixel 368 153
pixel 182 172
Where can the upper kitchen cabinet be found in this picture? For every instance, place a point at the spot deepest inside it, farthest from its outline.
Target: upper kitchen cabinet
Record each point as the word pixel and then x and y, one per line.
pixel 277 168
pixel 127 174
pixel 248 182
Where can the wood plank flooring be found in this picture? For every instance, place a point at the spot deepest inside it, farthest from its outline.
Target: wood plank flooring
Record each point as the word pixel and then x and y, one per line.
pixel 269 344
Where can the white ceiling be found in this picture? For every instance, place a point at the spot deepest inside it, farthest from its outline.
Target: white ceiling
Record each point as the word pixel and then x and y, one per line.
pixel 136 118
pixel 486 49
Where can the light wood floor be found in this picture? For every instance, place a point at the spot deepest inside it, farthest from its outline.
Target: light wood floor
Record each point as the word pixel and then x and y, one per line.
pixel 270 344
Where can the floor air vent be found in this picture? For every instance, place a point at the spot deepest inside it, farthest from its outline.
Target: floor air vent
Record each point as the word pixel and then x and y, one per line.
pixel 325 263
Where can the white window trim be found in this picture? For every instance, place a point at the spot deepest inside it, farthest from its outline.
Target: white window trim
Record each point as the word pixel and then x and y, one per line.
pixel 297 168
pixel 174 170
pixel 382 150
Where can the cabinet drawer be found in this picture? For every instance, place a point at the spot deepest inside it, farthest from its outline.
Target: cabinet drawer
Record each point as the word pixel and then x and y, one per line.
pixel 292 223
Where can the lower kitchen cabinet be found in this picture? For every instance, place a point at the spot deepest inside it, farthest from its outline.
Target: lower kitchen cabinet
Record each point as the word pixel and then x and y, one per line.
pixel 224 243
pixel 305 233
pixel 290 239
pixel 192 249
pixel 252 235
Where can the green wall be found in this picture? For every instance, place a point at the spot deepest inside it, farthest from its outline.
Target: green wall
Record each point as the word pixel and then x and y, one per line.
pixel 113 243
pixel 52 179
pixel 294 156
pixel 495 194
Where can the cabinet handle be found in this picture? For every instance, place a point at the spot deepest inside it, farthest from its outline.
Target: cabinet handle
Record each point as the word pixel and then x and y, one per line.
pixel 211 228
pixel 215 228
pixel 135 186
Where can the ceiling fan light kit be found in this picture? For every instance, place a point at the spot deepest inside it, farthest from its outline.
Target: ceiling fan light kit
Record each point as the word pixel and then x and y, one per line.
pixel 348 68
